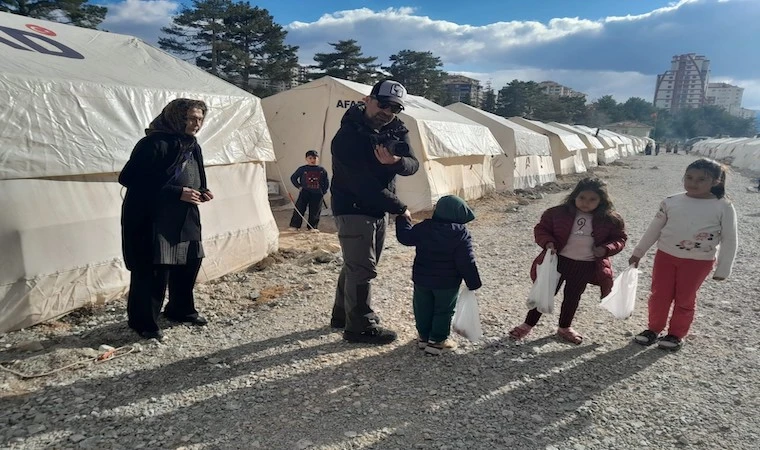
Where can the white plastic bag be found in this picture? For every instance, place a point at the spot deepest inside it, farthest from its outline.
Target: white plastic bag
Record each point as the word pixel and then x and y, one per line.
pixel 466 321
pixel 541 295
pixel 622 299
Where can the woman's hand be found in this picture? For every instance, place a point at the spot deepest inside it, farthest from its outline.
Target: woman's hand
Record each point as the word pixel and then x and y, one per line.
pixel 191 196
pixel 634 261
pixel 550 248
pixel 206 196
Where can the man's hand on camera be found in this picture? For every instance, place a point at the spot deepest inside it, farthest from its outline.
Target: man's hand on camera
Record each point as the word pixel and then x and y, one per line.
pixel 385 156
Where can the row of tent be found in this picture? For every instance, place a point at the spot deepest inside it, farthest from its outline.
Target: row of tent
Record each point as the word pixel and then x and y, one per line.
pixel 742 153
pixel 77 100
pixel 463 150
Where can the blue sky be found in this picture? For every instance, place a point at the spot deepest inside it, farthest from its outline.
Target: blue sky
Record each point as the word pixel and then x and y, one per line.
pixel 599 47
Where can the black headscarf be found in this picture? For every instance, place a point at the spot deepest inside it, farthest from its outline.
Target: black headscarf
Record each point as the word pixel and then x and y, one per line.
pixel 173 118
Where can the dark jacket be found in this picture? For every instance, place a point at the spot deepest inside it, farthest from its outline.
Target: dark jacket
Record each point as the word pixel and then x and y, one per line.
pixel 555 227
pixel 311 178
pixel 444 254
pixel 360 183
pixel 146 176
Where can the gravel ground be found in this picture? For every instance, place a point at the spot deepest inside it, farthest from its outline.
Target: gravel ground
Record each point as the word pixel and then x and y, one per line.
pixel 267 373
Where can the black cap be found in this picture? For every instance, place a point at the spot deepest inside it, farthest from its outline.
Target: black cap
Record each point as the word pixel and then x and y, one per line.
pixel 312 153
pixel 389 90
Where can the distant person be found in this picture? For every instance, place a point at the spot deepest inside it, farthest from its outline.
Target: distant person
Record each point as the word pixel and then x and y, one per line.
pixel 668 147
pixel 161 225
pixel 688 229
pixel 675 148
pixel 368 151
pixel 648 149
pixel 657 148
pixel 585 230
pixel 312 183
pixel 444 257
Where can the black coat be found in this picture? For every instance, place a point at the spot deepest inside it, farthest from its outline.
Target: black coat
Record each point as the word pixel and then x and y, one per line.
pixel 360 183
pixel 147 177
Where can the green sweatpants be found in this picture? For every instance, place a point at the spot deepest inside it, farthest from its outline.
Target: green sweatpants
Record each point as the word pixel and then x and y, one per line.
pixel 433 310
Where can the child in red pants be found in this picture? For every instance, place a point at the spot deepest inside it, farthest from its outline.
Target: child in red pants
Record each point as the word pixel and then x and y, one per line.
pixel 688 229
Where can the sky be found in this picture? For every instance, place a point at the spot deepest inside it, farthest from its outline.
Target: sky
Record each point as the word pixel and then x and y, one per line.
pixel 598 47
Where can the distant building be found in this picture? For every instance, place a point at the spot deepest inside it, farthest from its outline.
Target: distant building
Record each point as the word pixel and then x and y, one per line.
pixel 631 128
pixel 724 95
pixel 554 89
pixel 684 85
pixel 299 75
pixel 728 97
pixel 744 113
pixel 464 89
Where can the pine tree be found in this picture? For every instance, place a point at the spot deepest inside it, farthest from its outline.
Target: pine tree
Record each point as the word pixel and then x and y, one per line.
pixel 347 62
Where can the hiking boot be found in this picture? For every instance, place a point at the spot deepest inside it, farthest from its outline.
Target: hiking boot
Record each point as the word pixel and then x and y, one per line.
pixel 646 337
pixel 436 348
pixel 374 336
pixel 670 342
pixel 422 343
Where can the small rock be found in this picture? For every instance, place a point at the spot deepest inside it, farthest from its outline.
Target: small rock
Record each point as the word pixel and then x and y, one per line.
pixel 303 444
pixel 29 346
pixel 350 434
pixel 214 360
pixel 254 295
pixel 682 439
pixel 105 348
pixel 76 438
pixel 34 429
pixel 232 406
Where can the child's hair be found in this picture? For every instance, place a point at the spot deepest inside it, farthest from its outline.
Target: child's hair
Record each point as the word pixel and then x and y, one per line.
pixel 716 170
pixel 606 209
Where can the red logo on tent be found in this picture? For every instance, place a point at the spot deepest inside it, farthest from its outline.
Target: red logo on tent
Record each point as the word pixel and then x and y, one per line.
pixel 41 30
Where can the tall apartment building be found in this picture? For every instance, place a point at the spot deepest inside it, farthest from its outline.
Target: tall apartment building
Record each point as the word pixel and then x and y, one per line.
pixel 724 95
pixel 554 89
pixel 685 84
pixel 464 89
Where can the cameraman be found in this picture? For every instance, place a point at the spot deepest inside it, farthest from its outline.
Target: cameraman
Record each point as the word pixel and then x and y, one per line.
pixel 368 151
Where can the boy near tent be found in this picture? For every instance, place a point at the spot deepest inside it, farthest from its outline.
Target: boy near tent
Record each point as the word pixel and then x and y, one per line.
pixel 311 179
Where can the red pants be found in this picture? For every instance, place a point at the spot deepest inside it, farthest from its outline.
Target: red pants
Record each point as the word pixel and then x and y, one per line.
pixel 675 281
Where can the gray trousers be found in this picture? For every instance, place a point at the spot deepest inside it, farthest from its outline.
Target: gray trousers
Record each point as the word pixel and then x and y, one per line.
pixel 361 239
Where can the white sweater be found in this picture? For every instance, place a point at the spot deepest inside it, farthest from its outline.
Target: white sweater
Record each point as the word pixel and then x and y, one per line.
pixel 692 228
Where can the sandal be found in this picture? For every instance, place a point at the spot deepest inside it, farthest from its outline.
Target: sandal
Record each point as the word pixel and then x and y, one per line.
pixel 646 337
pixel 570 335
pixel 520 331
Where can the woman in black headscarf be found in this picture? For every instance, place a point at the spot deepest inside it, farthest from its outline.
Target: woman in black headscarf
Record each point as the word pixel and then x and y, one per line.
pixel 161 226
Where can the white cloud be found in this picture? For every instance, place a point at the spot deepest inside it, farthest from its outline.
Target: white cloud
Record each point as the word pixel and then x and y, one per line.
pixel 140 12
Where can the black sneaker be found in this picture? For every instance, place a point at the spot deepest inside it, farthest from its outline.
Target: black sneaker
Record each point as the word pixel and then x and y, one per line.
pixel 670 342
pixel 157 335
pixel 375 336
pixel 198 320
pixel 337 323
pixel 646 337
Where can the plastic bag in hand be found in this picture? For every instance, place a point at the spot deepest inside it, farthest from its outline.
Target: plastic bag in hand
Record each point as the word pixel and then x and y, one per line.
pixel 466 321
pixel 622 299
pixel 541 295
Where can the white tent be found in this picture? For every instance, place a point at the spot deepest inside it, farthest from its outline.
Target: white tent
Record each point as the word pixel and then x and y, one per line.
pixel 76 102
pixel 610 151
pixel 454 152
pixel 527 158
pixel 567 147
pixel 593 145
